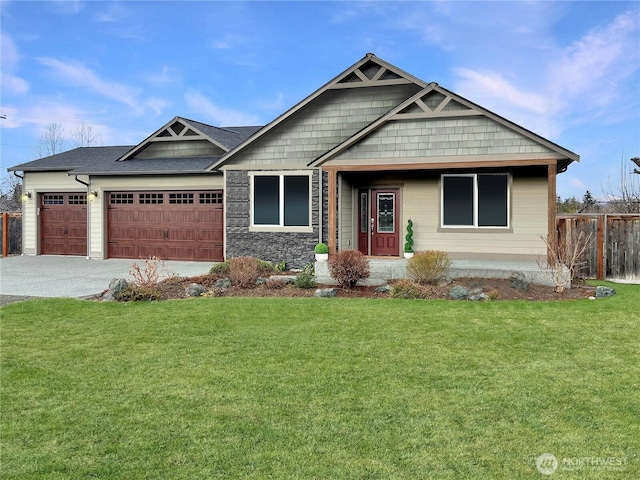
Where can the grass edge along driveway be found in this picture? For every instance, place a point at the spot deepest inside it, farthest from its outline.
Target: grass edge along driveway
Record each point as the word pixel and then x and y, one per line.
pixel 320 388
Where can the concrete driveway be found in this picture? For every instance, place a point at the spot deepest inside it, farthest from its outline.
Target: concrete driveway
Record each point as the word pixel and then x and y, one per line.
pixel 55 276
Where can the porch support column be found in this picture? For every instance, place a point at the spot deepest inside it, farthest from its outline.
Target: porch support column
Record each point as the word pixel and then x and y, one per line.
pixel 332 204
pixel 552 236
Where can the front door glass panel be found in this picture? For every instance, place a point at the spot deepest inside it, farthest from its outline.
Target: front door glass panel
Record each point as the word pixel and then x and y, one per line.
pixel 386 212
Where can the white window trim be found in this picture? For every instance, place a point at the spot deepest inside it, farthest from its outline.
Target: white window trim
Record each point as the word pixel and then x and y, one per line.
pixel 475 201
pixel 280 227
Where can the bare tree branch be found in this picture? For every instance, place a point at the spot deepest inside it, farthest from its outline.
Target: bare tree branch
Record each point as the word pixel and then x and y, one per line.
pixel 623 193
pixel 51 140
pixel 85 136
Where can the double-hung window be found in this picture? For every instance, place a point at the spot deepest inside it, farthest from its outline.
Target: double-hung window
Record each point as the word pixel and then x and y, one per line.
pixel 281 201
pixel 475 200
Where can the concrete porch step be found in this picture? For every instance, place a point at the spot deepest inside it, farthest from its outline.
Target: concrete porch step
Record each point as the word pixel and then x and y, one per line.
pixel 385 269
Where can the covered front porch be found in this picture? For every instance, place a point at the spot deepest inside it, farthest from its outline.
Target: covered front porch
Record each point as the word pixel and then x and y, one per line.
pixel 368 209
pixel 385 269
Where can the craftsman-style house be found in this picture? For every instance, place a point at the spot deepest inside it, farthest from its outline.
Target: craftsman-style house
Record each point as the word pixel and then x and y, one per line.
pixel 348 165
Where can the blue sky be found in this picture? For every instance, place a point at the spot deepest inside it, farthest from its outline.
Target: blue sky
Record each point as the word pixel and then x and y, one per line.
pixel 569 71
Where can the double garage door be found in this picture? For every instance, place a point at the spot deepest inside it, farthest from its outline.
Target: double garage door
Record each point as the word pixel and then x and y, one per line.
pixel 170 225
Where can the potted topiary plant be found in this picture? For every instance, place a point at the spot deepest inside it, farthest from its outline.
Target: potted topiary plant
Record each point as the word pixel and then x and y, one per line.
pixel 322 252
pixel 408 245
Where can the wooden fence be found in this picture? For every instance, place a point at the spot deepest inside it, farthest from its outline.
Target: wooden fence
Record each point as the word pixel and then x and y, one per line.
pixel 11 232
pixel 615 249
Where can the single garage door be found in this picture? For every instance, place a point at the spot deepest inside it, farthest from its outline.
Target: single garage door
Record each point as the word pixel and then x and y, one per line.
pixel 63 224
pixel 169 225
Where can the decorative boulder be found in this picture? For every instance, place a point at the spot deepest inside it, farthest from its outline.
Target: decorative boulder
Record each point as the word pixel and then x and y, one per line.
pixel 223 283
pixel 479 297
pixel 519 282
pixel 602 291
pixel 195 290
pixel 115 287
pixel 386 288
pixel 326 292
pixel 459 293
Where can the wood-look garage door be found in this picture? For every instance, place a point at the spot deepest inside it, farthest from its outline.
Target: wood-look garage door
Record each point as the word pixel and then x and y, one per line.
pixel 63 224
pixel 168 225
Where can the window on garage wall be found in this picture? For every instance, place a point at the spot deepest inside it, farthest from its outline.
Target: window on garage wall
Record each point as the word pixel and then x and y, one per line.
pixel 281 201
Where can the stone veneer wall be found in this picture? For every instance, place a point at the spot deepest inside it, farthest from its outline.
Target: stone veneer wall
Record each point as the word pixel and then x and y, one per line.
pixel 296 249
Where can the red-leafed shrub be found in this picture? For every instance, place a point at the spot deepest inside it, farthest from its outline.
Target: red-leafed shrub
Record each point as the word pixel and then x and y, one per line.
pixel 348 267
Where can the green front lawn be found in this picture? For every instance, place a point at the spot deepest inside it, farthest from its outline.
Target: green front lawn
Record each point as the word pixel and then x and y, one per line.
pixel 320 388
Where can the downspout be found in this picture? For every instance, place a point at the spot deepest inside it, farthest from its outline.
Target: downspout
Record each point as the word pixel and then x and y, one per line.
pixel 88 215
pixel 82 182
pixel 320 203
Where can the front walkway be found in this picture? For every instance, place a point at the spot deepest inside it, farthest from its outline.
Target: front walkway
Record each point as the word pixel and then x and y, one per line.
pixel 384 269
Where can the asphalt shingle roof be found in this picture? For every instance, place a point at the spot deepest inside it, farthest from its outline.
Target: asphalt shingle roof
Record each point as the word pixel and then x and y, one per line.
pixel 103 160
pixel 142 166
pixel 229 137
pixel 78 157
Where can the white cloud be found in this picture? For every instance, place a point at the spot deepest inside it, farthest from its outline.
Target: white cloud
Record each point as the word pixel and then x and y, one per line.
pixel 163 77
pixel 592 67
pixel 11 84
pixel 576 182
pixel 491 84
pixel 201 105
pixel 80 75
pixel 157 105
pixel 578 84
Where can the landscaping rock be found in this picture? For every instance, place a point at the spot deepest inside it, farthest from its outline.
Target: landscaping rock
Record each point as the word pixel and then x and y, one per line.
pixel 602 291
pixel 195 290
pixel 459 293
pixel 386 288
pixel 519 282
pixel 115 287
pixel 223 283
pixel 326 292
pixel 479 297
pixel 286 279
pixel 261 281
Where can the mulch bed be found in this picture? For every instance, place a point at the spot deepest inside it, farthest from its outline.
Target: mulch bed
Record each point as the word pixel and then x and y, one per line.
pixel 174 288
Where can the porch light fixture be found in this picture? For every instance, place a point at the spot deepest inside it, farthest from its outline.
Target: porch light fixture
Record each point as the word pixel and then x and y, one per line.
pixel 92 195
pixel 25 197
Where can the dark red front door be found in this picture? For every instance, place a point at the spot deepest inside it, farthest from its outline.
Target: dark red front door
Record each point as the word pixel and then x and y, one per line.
pixel 378 233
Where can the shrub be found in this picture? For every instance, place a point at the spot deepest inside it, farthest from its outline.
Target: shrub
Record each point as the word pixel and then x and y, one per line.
pixel 244 271
pixel 321 248
pixel 265 267
pixel 408 245
pixel 406 289
pixel 275 283
pixel 136 293
pixel 494 294
pixel 305 280
pixel 221 268
pixel 147 274
pixel 347 267
pixel 428 266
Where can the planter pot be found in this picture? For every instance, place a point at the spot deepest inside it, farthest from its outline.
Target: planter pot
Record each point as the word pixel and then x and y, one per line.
pixel 408 254
pixel 322 257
